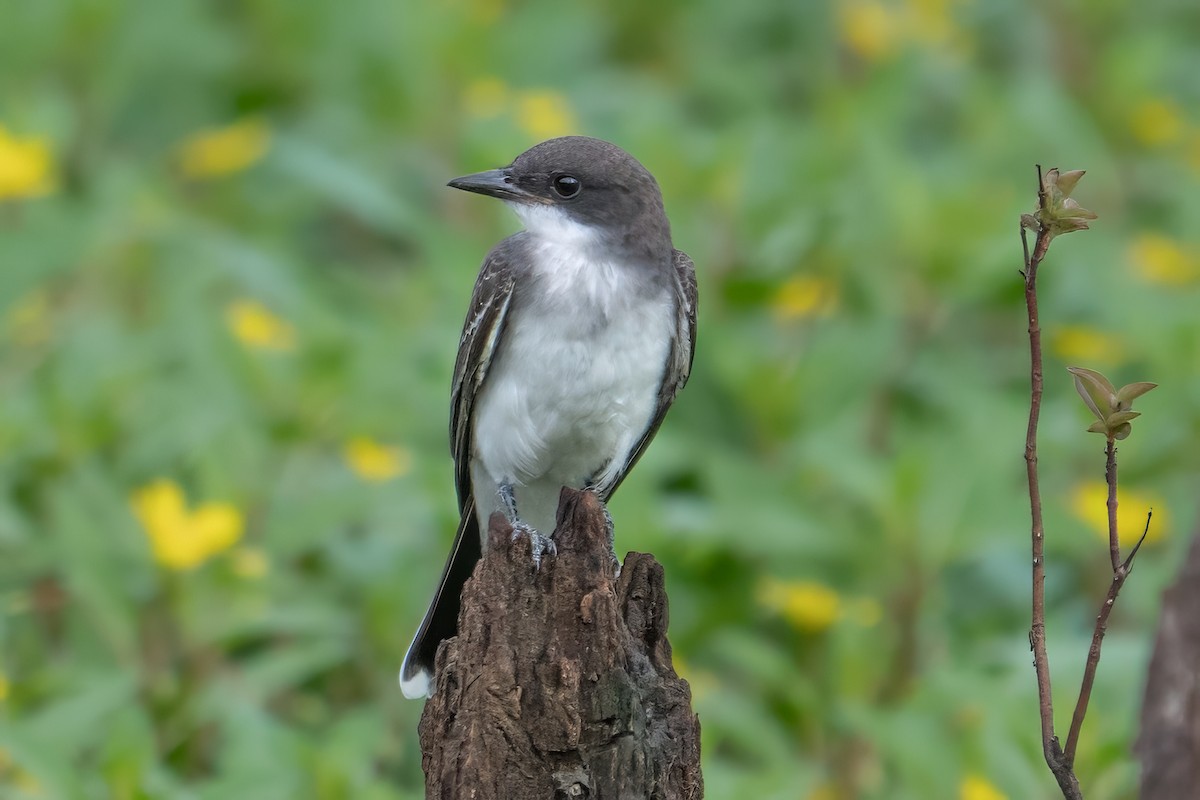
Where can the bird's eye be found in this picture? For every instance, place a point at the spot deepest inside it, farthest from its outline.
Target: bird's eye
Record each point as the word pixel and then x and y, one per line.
pixel 566 186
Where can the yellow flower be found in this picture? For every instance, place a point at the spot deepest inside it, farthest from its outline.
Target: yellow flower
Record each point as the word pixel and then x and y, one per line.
pixel 1156 122
pixel 544 114
pixel 250 563
pixel 805 296
pixel 869 29
pixel 807 605
pixel 1158 259
pixel 1089 503
pixel 976 787
pixel 256 327
pixel 4 687
pixel 486 98
pixel 26 166
pixel 875 31
pixel 183 539
pixel 1079 344
pixel 375 462
pixel 224 151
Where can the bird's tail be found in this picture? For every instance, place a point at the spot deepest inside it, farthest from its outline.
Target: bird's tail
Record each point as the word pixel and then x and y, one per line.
pixel 441 620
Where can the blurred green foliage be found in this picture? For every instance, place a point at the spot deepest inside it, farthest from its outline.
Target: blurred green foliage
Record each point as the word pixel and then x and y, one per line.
pixel 231 284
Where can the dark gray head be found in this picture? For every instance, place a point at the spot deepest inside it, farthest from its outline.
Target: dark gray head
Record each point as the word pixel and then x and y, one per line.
pixel 562 184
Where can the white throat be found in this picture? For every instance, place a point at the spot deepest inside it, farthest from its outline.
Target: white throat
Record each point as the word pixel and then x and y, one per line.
pixel 552 224
pixel 579 277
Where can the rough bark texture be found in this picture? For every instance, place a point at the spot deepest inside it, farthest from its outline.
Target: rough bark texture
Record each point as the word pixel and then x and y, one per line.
pixel 1169 741
pixel 559 683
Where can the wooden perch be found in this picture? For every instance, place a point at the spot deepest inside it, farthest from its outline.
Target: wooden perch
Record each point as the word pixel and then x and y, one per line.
pixel 559 683
pixel 1169 741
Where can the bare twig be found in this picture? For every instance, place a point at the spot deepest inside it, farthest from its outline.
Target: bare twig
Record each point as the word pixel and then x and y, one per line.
pixel 1138 546
pixel 1063 217
pixel 1120 573
pixel 1110 477
pixel 1051 749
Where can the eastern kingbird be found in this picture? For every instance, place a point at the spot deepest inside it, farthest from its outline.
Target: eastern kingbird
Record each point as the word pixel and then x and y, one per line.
pixel 579 335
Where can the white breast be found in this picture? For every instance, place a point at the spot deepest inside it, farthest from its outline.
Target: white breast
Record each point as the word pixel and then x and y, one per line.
pixel 575 382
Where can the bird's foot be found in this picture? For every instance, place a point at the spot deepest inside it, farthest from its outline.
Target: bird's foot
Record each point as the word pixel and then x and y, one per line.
pixel 508 502
pixel 539 545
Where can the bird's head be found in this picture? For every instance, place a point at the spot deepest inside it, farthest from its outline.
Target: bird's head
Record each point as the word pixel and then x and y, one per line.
pixel 576 188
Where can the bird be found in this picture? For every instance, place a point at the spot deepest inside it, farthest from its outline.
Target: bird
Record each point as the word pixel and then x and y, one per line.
pixel 579 335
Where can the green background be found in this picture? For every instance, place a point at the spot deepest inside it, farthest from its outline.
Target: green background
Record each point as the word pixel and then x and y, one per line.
pixel 881 151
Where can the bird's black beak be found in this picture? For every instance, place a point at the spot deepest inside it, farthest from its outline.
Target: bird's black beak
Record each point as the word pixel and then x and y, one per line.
pixel 494 183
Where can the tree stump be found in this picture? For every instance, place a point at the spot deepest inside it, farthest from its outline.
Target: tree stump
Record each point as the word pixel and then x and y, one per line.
pixel 1169 740
pixel 559 683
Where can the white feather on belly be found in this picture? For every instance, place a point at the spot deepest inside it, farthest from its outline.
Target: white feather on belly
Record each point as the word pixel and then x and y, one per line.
pixel 575 381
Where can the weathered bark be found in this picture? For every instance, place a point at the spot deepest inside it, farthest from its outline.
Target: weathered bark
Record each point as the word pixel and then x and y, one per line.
pixel 559 683
pixel 1169 740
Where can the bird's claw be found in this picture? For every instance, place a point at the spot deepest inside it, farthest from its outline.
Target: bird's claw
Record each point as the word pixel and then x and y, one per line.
pixel 539 545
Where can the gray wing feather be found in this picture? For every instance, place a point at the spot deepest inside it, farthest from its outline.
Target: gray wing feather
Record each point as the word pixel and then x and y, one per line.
pixel 679 361
pixel 482 329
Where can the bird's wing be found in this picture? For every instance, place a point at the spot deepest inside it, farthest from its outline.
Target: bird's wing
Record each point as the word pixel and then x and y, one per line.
pixel 481 333
pixel 679 362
